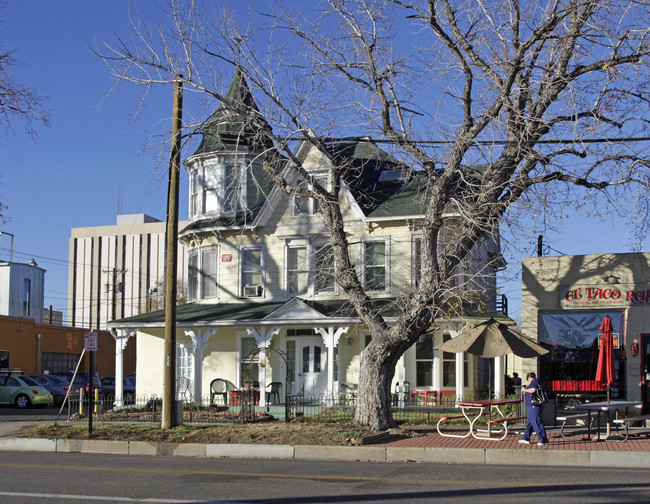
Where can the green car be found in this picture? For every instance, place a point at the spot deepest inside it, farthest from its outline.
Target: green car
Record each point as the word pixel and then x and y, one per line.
pixel 22 392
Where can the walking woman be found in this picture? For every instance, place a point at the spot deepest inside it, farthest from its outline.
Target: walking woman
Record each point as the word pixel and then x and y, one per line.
pixel 534 420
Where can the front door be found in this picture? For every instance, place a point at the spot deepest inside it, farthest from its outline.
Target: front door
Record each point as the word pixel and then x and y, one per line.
pixel 311 367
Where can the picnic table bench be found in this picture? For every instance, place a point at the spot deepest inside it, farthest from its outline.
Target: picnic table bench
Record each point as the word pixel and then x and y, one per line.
pixel 570 418
pixel 473 410
pixel 628 420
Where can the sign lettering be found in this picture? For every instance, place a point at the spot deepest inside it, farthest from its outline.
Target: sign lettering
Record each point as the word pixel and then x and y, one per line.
pixel 604 296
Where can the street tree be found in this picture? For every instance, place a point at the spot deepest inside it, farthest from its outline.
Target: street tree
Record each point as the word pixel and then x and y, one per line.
pixel 505 107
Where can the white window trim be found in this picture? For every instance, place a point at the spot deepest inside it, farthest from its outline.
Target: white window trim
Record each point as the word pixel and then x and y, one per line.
pixel 312 267
pixel 311 247
pixel 364 243
pixel 262 249
pixel 217 164
pixel 294 244
pixel 324 179
pixel 199 280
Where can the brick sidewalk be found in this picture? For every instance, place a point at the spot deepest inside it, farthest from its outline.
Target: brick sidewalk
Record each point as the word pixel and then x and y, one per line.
pixel 635 443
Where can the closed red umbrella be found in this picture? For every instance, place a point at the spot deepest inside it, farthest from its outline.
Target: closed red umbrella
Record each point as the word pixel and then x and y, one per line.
pixel 605 368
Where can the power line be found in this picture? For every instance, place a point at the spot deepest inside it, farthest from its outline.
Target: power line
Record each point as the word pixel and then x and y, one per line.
pixel 485 142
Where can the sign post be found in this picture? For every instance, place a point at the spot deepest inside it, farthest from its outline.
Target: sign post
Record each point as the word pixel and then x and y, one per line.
pixel 90 345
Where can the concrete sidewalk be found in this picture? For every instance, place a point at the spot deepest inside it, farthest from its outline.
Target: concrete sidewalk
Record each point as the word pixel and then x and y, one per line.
pixel 634 453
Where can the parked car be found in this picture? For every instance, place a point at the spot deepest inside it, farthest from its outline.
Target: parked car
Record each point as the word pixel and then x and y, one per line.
pixel 56 385
pixel 81 380
pixel 22 392
pixel 108 383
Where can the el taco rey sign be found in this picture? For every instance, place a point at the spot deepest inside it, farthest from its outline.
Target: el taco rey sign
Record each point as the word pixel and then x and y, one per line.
pixel 603 296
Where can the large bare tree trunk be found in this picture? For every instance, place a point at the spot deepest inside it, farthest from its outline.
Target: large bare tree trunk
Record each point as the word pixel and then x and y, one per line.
pixel 374 401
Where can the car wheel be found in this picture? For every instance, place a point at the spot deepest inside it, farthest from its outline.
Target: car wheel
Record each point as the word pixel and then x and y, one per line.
pixel 22 401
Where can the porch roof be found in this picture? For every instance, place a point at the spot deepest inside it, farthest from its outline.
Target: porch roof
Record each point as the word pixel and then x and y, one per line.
pixel 330 311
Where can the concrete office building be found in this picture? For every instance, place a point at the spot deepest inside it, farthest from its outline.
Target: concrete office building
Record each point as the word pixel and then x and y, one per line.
pixel 118 271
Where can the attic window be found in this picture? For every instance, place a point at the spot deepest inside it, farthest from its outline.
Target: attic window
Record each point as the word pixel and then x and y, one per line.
pixel 395 175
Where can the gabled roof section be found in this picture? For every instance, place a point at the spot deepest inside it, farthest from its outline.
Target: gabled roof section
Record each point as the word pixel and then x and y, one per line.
pixel 295 309
pixel 227 130
pixel 381 185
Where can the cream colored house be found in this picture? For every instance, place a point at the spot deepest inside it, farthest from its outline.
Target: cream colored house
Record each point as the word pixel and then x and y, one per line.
pixel 260 274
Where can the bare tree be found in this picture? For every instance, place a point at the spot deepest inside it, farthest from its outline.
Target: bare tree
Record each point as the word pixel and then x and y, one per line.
pixel 18 101
pixel 503 106
pixel 156 296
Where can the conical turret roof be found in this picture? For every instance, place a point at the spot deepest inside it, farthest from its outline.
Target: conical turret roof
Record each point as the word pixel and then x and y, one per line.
pixel 229 130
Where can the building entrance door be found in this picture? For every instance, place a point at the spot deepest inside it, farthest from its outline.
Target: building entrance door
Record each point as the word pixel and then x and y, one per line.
pixel 311 367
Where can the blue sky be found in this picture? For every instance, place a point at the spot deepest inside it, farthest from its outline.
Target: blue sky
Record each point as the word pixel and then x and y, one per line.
pixel 72 174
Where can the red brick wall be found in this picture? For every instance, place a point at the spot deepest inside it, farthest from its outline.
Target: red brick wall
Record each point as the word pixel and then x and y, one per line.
pixel 19 336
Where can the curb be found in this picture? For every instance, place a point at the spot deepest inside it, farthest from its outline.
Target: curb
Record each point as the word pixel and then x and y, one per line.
pixel 333 453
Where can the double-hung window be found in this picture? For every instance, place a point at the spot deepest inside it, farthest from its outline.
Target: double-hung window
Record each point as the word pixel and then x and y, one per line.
pixel 309 267
pixel 297 270
pixel 252 267
pixel 375 265
pixel 202 273
pixel 304 206
pixel 324 268
pixel 217 188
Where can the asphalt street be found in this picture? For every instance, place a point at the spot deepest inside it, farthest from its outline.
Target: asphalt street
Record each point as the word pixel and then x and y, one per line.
pixel 73 477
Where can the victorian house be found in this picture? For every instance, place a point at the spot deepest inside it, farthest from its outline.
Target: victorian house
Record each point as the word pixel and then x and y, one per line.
pixel 261 276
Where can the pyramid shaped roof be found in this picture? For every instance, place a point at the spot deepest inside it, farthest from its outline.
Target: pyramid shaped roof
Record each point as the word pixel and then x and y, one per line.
pixel 230 130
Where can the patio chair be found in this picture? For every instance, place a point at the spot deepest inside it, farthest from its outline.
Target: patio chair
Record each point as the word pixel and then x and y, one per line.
pixel 221 388
pixel 273 396
pixel 183 389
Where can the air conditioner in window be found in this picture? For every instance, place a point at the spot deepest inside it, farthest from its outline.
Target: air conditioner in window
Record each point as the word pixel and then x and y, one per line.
pixel 252 290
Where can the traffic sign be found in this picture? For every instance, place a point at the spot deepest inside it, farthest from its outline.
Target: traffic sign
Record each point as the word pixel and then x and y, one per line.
pixel 90 341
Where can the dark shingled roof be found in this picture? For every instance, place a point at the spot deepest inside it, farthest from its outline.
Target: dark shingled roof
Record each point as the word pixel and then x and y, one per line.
pixel 227 130
pixel 380 198
pixel 253 311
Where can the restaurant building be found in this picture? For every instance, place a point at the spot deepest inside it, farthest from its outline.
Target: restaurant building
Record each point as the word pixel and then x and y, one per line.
pixel 564 302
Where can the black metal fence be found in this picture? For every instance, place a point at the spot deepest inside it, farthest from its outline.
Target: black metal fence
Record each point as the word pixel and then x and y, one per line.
pixel 406 409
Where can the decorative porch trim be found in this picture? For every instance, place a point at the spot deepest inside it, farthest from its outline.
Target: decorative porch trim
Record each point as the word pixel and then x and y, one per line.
pixel 121 339
pixel 199 337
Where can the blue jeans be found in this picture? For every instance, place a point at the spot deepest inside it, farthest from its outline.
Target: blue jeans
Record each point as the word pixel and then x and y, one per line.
pixel 534 423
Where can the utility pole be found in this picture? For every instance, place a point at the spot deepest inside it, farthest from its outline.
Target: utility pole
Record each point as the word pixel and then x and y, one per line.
pixel 171 245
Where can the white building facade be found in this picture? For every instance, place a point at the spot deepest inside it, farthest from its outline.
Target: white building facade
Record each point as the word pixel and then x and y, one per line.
pixel 117 271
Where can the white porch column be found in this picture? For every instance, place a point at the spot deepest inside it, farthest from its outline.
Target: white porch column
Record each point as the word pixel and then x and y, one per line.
pixel 263 338
pixel 121 339
pixel 499 381
pixel 400 377
pixel 460 369
pixel 437 382
pixel 460 375
pixel 331 339
pixel 199 337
